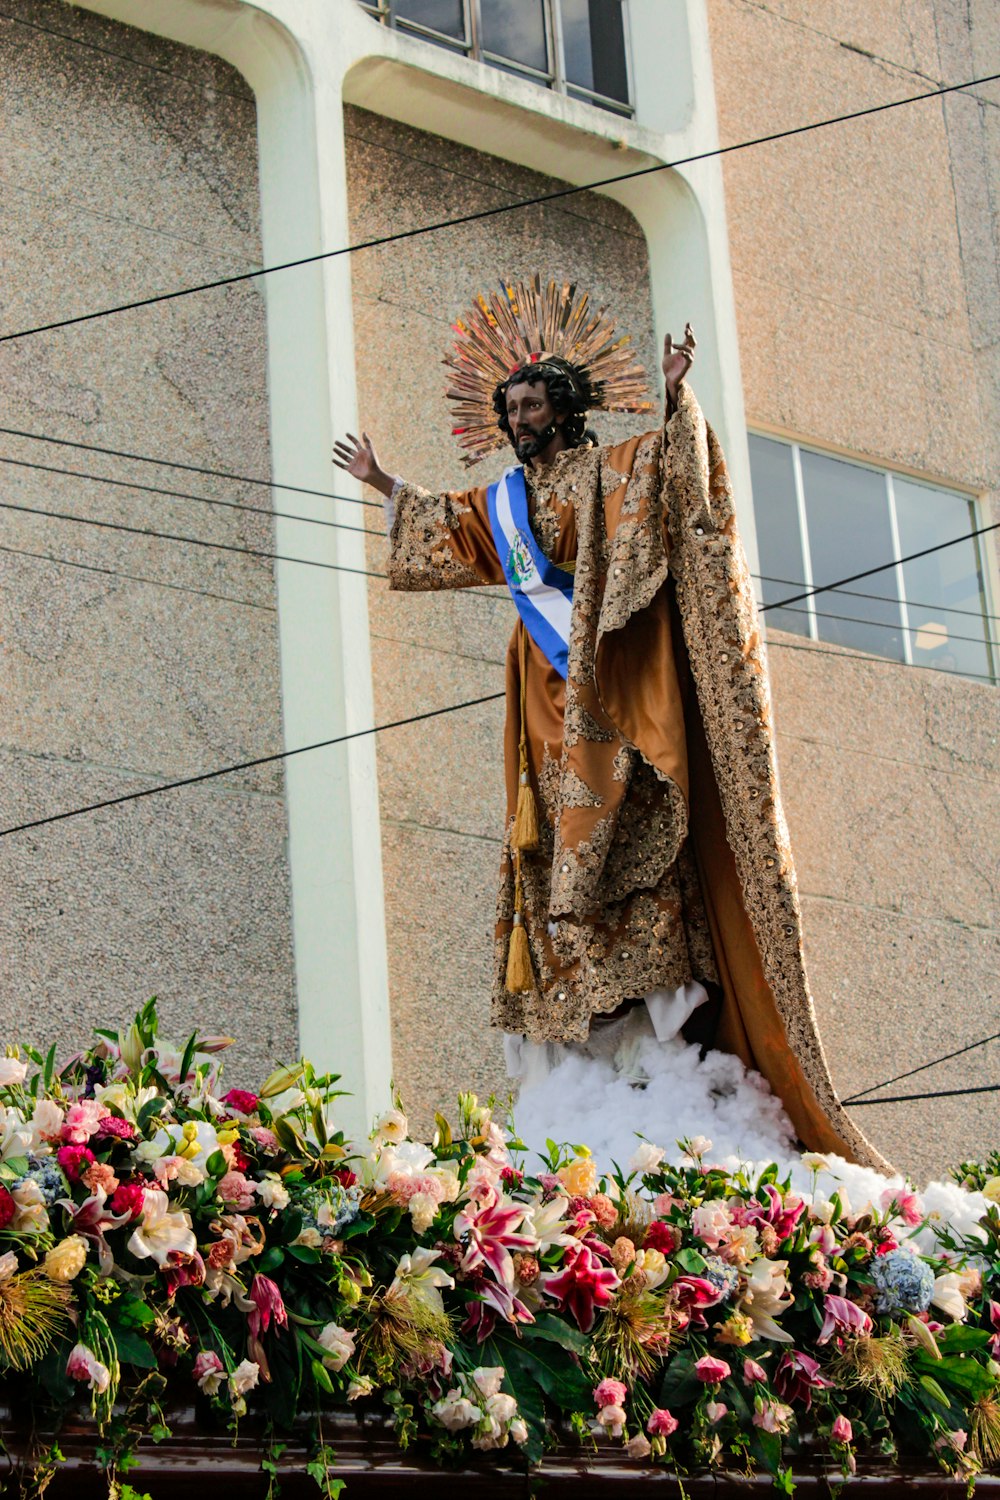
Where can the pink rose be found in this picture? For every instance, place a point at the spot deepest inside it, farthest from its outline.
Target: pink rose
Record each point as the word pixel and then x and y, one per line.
pixel 612 1419
pixel 753 1372
pixel 773 1417
pixel 841 1431
pixel 638 1447
pixel 83 1364
pixel 711 1370
pixel 74 1160
pixel 662 1423
pixel 715 1411
pixel 235 1189
pixel 209 1371
pixel 610 1393
pixel 82 1120
pixel 712 1223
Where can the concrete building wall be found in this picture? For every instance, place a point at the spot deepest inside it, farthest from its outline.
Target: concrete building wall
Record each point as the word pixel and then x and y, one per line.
pixel 865 272
pixel 129 166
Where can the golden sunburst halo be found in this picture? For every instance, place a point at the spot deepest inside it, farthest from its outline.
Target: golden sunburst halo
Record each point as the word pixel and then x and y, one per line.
pixel 34 1311
pixel 525 323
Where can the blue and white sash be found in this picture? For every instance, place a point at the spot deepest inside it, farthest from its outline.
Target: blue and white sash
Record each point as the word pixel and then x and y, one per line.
pixel 542 592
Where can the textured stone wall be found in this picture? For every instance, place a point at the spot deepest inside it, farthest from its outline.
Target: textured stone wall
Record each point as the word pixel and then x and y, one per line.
pixel 129 167
pixel 865 265
pixel 441 783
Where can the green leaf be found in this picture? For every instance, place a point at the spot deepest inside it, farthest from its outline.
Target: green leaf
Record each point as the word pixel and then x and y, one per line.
pixel 216 1166
pixel 680 1384
pixel 270 1260
pixel 360 1225
pixel 556 1374
pixel 957 1338
pixel 690 1261
pixel 188 1056
pixel 131 1312
pixel 132 1350
pixel 13 1167
pixel 553 1329
pixel 305 1253
pixel 50 1064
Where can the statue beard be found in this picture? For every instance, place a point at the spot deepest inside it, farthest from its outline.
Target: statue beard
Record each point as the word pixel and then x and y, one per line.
pixel 530 447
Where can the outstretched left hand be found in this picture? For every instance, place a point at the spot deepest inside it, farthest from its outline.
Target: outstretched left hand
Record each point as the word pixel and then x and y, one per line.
pixel 677 361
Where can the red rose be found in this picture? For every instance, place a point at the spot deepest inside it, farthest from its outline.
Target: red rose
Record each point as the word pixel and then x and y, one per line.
pixel 75 1160
pixel 8 1208
pixel 241 1100
pixel 660 1236
pixel 120 1130
pixel 345 1177
pixel 127 1198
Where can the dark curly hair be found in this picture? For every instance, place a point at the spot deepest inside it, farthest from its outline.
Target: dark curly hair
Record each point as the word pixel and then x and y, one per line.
pixel 567 387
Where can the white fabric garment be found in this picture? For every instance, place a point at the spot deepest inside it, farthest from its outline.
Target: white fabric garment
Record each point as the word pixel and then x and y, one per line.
pixel 618 1041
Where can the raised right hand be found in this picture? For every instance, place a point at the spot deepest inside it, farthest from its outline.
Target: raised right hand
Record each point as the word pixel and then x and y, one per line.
pixel 358 458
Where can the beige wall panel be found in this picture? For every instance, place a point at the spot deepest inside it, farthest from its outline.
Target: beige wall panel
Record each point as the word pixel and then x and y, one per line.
pixel 130 167
pixel 441 783
pixel 866 275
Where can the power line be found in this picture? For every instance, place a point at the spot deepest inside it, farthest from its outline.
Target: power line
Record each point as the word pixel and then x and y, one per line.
pixel 825 588
pixel 487 213
pixel 911 1072
pixel 173 463
pixel 984 1088
pixel 192 541
pixel 820 614
pixel 157 583
pixel 155 489
pixel 950 609
pixel 247 765
pixel 874 660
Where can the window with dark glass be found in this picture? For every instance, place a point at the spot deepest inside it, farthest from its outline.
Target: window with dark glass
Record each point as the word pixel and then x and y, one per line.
pixel 579 47
pixel 821 518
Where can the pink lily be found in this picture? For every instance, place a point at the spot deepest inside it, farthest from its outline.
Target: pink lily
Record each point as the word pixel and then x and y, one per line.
pixel 494 1300
pixel 91 1219
pixel 490 1227
pixel 842 1316
pixel 781 1213
pixel 583 1285
pixel 267 1304
pixel 797 1376
pixel 995 1320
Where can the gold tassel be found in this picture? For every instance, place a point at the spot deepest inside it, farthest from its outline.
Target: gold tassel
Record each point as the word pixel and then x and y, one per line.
pixel 520 975
pixel 525 834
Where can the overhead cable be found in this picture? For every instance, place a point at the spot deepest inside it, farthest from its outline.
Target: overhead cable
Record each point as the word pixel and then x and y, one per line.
pixel 247 765
pixel 157 583
pixel 487 213
pixel 984 1088
pixel 173 463
pixel 911 1072
pixel 950 609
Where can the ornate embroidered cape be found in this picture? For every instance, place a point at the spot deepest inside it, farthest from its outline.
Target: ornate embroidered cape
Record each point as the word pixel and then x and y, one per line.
pixel 664 855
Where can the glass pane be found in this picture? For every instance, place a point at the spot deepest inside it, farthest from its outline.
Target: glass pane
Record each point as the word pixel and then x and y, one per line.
pixel 446 16
pixel 779 542
pixel 925 517
pixel 515 31
pixel 594 46
pixel 847 518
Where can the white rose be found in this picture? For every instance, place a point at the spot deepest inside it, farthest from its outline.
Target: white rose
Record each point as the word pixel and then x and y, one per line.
pixel 489 1379
pixel 423 1211
pixel 12 1071
pixel 502 1406
pixel 456 1412
pixel 244 1377
pixel 392 1126
pixel 363 1386
pixel 272 1191
pixel 339 1344
pixel 519 1431
pixel 46 1121
pixel 645 1158
pixel 8 1265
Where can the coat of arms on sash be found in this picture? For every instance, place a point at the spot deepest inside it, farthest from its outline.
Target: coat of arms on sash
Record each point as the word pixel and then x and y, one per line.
pixel 520 564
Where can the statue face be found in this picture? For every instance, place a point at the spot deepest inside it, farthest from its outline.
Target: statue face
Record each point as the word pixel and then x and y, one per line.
pixel 531 416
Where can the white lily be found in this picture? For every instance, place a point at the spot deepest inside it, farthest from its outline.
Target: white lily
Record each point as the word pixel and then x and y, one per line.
pixel 417 1276
pixel 947 1295
pixel 766 1296
pixel 547 1224
pixel 160 1232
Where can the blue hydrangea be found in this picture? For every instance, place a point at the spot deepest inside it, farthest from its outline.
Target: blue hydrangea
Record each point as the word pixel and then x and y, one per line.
pixel 722 1276
pixel 345 1203
pixel 50 1180
pixel 903 1281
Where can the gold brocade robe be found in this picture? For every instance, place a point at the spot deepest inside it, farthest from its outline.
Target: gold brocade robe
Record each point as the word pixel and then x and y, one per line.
pixel 664 855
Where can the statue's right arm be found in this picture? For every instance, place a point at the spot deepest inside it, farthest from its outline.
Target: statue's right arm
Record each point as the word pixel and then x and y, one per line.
pixel 437 541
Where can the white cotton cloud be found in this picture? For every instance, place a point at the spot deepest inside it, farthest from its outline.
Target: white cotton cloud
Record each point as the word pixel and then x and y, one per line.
pixel 583 1099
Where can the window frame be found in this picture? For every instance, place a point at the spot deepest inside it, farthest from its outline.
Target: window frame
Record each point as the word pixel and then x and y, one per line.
pixel 986 561
pixel 554 79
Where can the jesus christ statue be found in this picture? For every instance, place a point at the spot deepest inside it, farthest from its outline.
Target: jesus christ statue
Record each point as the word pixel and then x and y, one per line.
pixel 645 855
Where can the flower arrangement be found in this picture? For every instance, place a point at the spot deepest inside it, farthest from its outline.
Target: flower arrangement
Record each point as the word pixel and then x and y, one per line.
pixel 158 1233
